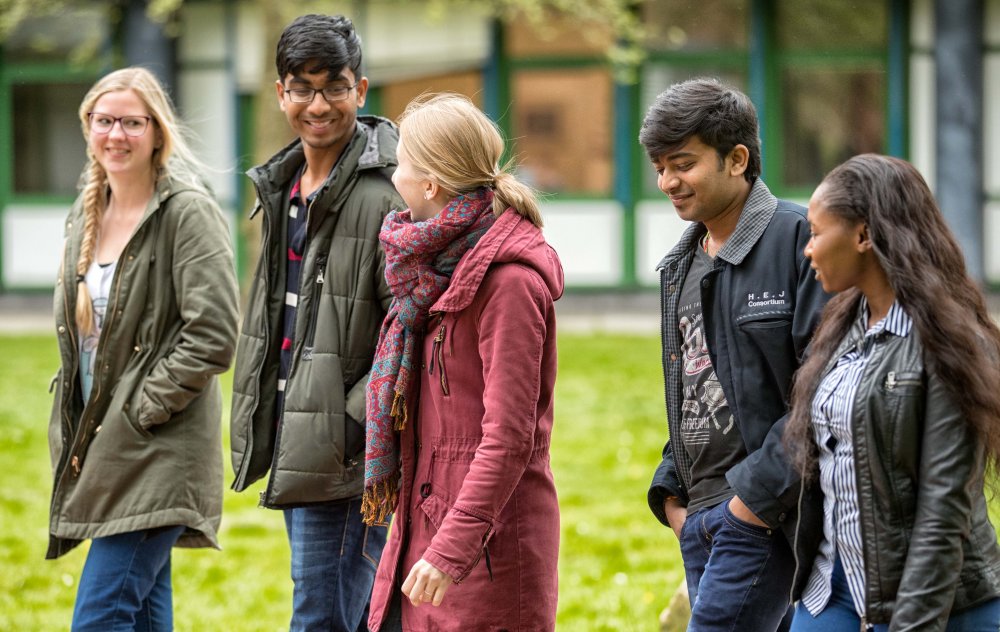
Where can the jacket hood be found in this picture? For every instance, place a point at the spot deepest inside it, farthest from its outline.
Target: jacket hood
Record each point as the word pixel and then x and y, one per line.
pixel 512 239
pixel 373 146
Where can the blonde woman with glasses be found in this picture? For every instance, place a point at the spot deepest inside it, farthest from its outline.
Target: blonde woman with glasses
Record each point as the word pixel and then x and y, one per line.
pixel 145 309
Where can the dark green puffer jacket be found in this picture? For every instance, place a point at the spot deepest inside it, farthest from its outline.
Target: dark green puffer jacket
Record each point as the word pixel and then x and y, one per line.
pixel 145 449
pixel 342 301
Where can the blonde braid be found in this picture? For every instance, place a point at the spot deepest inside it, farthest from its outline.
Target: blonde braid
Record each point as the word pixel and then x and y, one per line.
pixel 94 199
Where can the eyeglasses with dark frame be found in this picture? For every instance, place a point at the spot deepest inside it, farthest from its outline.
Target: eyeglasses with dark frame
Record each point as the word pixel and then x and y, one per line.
pixel 331 93
pixel 133 125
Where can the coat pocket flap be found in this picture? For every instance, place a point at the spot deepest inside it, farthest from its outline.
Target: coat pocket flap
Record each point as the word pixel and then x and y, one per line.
pixel 436 509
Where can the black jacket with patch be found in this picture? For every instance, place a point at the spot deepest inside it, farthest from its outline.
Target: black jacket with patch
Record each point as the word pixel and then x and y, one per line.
pixel 760 303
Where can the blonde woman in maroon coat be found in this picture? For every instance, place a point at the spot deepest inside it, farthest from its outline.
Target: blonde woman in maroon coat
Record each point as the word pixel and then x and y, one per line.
pixel 460 397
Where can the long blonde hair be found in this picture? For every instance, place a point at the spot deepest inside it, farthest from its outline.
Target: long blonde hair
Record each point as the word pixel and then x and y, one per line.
pixel 173 157
pixel 450 140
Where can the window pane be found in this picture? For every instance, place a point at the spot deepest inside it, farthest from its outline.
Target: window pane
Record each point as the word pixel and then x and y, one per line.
pixel 659 77
pixel 695 25
pixel 562 129
pixel 56 37
pixel 49 149
pixel 824 25
pixel 556 36
pixel 397 95
pixel 829 116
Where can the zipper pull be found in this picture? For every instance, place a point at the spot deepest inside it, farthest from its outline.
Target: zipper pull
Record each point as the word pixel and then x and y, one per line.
pixel 260 503
pixel 319 276
pixel 76 465
pixel 890 380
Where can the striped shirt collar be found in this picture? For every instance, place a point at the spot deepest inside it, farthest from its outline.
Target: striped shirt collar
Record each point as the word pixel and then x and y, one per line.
pixel 896 320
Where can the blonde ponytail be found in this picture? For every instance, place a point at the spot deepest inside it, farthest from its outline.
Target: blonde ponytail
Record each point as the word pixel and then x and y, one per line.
pixel 95 195
pixel 448 138
pixel 509 192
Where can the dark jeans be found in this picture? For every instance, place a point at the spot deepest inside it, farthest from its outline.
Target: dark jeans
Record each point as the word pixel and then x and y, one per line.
pixel 334 557
pixel 739 575
pixel 840 615
pixel 125 583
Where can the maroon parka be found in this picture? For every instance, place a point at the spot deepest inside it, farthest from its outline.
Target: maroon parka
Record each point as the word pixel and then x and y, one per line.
pixel 477 499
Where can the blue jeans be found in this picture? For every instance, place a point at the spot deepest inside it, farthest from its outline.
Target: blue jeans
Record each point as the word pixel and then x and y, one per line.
pixel 334 557
pixel 125 583
pixel 738 574
pixel 839 613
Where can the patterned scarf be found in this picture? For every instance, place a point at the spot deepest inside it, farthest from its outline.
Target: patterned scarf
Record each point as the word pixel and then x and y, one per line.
pixel 420 258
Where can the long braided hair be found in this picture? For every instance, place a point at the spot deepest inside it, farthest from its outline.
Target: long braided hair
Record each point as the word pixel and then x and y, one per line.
pixel 173 156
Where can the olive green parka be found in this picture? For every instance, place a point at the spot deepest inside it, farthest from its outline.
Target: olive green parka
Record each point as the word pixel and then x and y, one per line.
pixel 342 300
pixel 145 451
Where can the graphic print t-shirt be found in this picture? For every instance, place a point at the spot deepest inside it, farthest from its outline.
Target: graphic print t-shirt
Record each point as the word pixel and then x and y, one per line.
pixel 98 280
pixel 708 433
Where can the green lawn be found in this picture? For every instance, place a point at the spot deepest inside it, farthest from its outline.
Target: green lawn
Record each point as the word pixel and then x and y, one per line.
pixel 617 568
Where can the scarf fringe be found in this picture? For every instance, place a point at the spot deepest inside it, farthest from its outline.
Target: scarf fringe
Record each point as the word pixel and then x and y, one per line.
pixel 398 412
pixel 378 501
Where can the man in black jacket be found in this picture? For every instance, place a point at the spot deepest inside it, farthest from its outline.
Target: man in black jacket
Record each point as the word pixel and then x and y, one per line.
pixel 739 306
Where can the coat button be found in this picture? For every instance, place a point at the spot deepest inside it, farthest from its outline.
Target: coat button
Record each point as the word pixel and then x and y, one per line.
pixel 131 257
pixel 705 283
pixel 425 490
pixel 673 357
pixel 782 516
pixel 137 348
pixel 670 290
pixel 62 329
pixel 97 429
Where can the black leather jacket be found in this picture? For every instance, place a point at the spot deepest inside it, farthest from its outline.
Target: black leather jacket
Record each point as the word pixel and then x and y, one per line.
pixel 929 547
pixel 761 303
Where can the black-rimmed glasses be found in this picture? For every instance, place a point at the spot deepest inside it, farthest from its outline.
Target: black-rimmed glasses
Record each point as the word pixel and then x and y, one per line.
pixel 330 93
pixel 131 125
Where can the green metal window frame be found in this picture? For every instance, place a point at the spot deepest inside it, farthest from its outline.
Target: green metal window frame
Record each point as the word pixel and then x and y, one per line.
pixel 892 60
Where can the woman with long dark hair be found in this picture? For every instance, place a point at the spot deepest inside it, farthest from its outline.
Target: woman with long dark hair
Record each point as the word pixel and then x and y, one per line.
pixel 897 409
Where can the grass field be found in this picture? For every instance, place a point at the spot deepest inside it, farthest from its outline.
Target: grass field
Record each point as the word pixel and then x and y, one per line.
pixel 618 566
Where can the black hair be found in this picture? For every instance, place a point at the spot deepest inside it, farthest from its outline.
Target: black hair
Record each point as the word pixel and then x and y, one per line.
pixel 721 116
pixel 926 269
pixel 326 42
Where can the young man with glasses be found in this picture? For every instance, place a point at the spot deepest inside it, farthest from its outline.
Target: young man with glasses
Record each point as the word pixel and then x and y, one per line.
pixel 312 320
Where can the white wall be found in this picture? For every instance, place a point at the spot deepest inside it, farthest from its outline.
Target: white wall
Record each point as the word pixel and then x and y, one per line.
pixel 658 228
pixel 32 244
pixel 991 142
pixel 403 41
pixel 922 107
pixel 588 237
pixel 207 93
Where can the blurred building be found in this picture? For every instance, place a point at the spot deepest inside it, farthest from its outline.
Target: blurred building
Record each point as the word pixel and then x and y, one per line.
pixel 831 78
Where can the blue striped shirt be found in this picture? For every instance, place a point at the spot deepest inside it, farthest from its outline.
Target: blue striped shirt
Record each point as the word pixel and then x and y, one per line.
pixel 831 419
